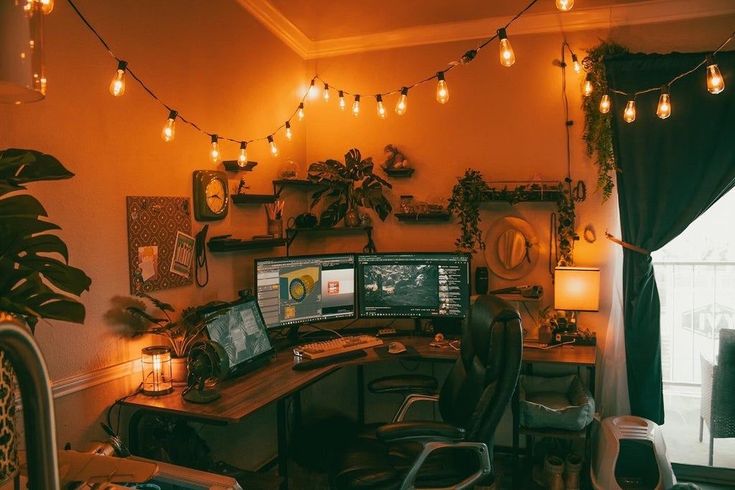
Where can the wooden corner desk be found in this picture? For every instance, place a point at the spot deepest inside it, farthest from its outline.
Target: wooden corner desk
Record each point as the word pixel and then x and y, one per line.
pixel 277 382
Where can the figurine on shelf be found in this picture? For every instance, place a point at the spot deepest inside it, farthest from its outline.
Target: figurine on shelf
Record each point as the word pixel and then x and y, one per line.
pixel 394 159
pixel 242 186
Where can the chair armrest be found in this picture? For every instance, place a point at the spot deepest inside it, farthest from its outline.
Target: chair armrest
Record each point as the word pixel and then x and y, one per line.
pixel 427 431
pixel 410 400
pixel 479 477
pixel 404 383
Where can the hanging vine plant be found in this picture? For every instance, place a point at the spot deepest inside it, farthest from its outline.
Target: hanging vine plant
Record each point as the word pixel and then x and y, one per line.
pixel 467 194
pixel 597 126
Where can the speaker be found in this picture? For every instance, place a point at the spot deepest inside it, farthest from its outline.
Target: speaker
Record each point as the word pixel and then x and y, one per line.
pixel 481 280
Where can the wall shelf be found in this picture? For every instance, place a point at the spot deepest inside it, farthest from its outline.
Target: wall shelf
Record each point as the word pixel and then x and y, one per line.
pixel 434 217
pixel 280 184
pixel 292 233
pixel 233 166
pixel 241 199
pixel 515 192
pixel 236 244
pixel 398 173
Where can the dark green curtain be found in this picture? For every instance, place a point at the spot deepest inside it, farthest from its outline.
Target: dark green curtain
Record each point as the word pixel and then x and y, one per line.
pixel 671 171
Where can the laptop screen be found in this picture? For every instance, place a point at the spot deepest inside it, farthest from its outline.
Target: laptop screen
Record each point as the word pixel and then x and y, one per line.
pixel 241 332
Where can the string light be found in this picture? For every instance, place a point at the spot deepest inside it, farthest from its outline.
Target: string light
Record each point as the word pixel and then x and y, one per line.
pixel 214 149
pixel 356 106
pixel 605 104
pixel 587 88
pixel 325 94
pixel 289 133
pixel 380 106
pixel 564 5
pixel 342 103
pixel 442 91
pixel 169 129
pixel 576 64
pixel 274 148
pixel 629 112
pixel 507 56
pixel 300 112
pixel 117 85
pixel 242 159
pixel 313 91
pixel 664 103
pixel 402 103
pixel 715 82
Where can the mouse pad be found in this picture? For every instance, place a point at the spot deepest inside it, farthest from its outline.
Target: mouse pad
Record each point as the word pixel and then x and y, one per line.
pixel 384 354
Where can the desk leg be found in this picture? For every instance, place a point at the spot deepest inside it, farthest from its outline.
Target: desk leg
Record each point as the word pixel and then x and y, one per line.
pixel 361 394
pixel 282 429
pixel 515 405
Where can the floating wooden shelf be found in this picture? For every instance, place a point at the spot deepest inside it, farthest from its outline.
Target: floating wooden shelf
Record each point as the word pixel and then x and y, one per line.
pixel 233 166
pixel 399 172
pixel 236 244
pixel 280 184
pixel 292 233
pixel 253 198
pixel 515 192
pixel 423 217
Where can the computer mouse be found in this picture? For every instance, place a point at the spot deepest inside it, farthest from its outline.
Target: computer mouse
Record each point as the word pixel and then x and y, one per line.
pixel 396 348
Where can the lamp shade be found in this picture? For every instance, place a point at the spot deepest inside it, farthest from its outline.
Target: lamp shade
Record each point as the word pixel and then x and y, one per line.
pixel 156 361
pixel 577 288
pixel 22 77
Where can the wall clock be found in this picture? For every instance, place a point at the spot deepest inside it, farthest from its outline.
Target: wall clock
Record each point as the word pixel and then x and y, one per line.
pixel 211 198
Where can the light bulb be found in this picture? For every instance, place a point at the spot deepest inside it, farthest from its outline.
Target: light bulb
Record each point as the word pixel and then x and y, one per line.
pixel 117 85
pixel 664 103
pixel 507 56
pixel 587 88
pixel 715 82
pixel 629 113
pixel 169 129
pixel 564 5
pixel 214 150
pixel 356 106
pixel 300 112
pixel 289 133
pixel 380 107
pixel 342 103
pixel 402 103
pixel 46 6
pixel 242 159
pixel 325 94
pixel 442 91
pixel 576 64
pixel 313 91
pixel 274 148
pixel 605 104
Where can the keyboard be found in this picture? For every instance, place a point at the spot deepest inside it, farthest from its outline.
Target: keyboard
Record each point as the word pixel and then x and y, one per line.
pixel 340 345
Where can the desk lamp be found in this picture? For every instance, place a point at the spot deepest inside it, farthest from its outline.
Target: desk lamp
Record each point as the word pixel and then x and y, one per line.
pixel 576 289
pixel 156 361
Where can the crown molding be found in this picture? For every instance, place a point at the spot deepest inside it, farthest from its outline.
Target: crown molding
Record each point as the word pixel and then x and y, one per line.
pixel 646 12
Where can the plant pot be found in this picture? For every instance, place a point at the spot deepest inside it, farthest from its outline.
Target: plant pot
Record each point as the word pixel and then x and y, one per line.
pixel 352 218
pixel 179 374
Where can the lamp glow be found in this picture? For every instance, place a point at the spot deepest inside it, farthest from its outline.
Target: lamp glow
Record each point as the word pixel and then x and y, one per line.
pixel 169 129
pixel 715 82
pixel 313 91
pixel 156 364
pixel 380 106
pixel 214 149
pixel 325 94
pixel 242 159
pixel 564 5
pixel 587 88
pixel 402 103
pixel 289 133
pixel 664 103
pixel 117 85
pixel 629 112
pixel 274 148
pixel 576 64
pixel 507 56
pixel 576 289
pixel 342 103
pixel 442 91
pixel 605 104
pixel 300 112
pixel 356 106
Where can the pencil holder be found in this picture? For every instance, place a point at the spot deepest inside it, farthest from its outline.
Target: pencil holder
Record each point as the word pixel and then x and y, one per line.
pixel 275 227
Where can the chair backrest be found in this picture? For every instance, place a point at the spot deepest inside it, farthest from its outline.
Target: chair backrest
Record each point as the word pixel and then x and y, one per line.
pixel 723 394
pixel 481 383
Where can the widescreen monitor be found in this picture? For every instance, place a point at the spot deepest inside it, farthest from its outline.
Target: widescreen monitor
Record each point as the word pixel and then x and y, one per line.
pixel 416 285
pixel 305 289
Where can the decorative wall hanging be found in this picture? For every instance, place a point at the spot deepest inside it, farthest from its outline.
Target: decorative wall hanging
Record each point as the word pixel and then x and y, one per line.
pixel 512 248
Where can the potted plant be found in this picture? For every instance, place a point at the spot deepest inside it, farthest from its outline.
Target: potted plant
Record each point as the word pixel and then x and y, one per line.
pixel 467 194
pixel 36 280
pixel 351 185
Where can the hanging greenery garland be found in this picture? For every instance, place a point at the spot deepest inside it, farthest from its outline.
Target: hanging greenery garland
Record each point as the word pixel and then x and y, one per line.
pixel 597 125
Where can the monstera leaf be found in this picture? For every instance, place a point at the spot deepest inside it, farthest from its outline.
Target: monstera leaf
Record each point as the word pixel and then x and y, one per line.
pixel 34 263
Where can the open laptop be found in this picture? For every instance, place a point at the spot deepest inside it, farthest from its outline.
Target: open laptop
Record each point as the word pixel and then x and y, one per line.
pixel 241 331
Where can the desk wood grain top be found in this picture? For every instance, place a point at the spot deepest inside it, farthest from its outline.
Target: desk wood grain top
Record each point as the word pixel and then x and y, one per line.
pixel 244 395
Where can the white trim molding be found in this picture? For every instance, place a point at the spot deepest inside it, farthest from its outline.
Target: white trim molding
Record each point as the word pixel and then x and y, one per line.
pixel 579 19
pixel 83 381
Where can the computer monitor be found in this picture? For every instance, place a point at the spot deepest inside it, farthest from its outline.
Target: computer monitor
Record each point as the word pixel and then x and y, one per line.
pixel 305 289
pixel 416 285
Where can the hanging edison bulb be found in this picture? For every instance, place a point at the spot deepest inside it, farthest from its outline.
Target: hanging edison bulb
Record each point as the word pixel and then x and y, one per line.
pixel 664 103
pixel 46 6
pixel 587 87
pixel 300 112
pixel 169 129
pixel 356 106
pixel 214 149
pixel 342 103
pixel 117 85
pixel 402 103
pixel 564 5
pixel 313 91
pixel 576 64
pixel 715 82
pixel 242 158
pixel 442 91
pixel 289 133
pixel 507 56
pixel 629 112
pixel 380 106
pixel 274 148
pixel 605 104
pixel 325 94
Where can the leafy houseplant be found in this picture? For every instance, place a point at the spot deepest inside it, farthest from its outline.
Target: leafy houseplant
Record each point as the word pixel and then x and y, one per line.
pixel 351 185
pixel 467 194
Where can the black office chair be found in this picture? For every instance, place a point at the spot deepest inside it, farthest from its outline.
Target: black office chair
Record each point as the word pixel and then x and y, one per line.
pixel 455 453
